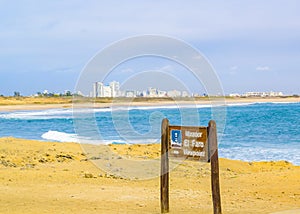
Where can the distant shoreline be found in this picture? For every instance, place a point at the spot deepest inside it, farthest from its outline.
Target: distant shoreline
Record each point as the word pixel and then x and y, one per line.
pixel 14 104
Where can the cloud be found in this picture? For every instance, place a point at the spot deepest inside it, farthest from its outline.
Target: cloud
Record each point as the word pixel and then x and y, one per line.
pixel 263 68
pixel 55 35
pixel 80 20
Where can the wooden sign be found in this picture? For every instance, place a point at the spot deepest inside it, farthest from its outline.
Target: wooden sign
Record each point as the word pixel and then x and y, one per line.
pixel 197 142
pixel 188 142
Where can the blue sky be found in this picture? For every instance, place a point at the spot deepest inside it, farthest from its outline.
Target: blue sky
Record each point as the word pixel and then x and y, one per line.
pixel 253 45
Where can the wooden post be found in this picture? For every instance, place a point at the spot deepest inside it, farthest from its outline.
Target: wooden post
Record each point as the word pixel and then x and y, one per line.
pixel 214 159
pixel 164 175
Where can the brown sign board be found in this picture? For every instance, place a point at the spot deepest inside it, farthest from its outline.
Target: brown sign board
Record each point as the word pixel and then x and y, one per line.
pixel 188 142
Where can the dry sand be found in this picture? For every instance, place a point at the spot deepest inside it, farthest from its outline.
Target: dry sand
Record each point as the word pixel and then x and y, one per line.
pixel 47 177
pixel 11 104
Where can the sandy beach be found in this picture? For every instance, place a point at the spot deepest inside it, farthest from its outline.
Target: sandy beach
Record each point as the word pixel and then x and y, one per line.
pixel 12 104
pixel 51 177
pixel 47 177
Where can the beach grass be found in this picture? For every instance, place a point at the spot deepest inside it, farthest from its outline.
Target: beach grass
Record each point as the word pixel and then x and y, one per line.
pixel 5 101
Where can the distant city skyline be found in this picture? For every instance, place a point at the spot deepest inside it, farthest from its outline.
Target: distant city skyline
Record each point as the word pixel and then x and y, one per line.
pixel 253 45
pixel 112 89
pixel 150 92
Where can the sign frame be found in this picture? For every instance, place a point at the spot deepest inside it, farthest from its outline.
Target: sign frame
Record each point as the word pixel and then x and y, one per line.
pixel 213 158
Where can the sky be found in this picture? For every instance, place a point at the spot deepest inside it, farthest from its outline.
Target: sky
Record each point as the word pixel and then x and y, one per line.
pixel 253 45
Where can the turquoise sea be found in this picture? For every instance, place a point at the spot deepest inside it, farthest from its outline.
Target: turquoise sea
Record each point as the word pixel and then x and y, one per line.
pixel 252 132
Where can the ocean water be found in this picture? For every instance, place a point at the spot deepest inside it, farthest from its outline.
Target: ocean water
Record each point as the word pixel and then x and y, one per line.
pixel 251 132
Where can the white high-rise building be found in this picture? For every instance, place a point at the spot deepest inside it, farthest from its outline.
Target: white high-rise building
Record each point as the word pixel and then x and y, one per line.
pixel 111 90
pixel 107 92
pixel 98 89
pixel 115 88
pixel 95 89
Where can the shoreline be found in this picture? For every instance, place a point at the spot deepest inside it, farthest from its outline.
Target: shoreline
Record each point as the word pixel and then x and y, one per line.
pixel 89 144
pixel 227 101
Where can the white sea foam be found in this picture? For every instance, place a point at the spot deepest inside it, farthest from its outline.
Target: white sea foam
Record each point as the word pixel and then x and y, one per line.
pixel 68 137
pixel 173 106
pixel 72 137
pixel 239 104
pixel 261 154
pixel 283 102
pixel 60 136
pixel 253 103
pixel 49 114
pixel 152 107
pixel 70 113
pixel 43 114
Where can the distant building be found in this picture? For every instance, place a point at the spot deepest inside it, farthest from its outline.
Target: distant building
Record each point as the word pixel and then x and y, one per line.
pixel 234 95
pixel 144 93
pixel 46 92
pixel 161 93
pixel 275 94
pixel 185 94
pixel 152 92
pixel 139 93
pixel 115 88
pixel 174 93
pixel 263 94
pixel 97 88
pixel 107 92
pixel 254 94
pixel 78 93
pixel 101 90
pixel 131 93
